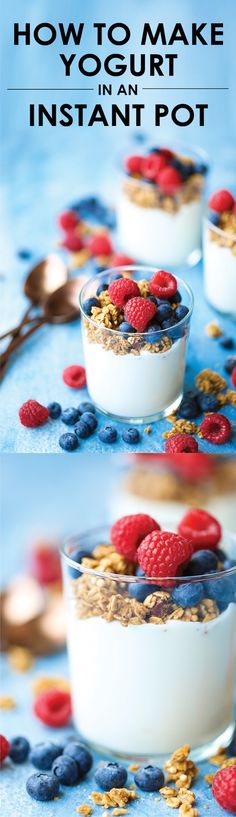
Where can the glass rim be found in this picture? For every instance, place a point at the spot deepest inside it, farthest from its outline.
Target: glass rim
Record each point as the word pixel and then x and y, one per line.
pixel 124 578
pixel 139 268
pixel 219 231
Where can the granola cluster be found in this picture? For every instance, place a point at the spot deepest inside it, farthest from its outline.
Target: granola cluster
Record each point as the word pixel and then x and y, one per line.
pixel 149 195
pixel 114 797
pixel 227 225
pixel 155 485
pixel 210 382
pixel 181 771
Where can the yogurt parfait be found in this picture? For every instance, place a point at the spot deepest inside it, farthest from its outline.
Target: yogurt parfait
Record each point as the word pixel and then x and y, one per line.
pixel 160 206
pixel 220 252
pixel 135 328
pixel 151 629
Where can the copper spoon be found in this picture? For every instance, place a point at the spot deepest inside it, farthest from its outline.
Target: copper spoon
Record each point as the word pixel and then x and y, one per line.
pixel 42 280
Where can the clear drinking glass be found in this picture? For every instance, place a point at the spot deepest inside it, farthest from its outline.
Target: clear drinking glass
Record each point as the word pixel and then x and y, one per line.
pixel 219 249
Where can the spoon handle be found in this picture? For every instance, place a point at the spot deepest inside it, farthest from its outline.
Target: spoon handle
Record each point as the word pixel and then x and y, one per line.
pixel 16 329
pixel 19 340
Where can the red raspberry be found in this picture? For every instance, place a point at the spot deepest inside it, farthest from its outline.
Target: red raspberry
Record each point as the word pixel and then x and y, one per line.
pixel 170 180
pixel 68 220
pixel 53 707
pixel 4 747
pixel 32 414
pixel 163 284
pixel 195 467
pixel 133 164
pixel 100 244
pixel 122 290
pixel 161 554
pixel 139 312
pixel 168 154
pixel 216 428
pixel 183 443
pixel 45 564
pixel 224 788
pixel 128 532
pixel 72 242
pixel 151 166
pixel 201 528
pixel 233 376
pixel 220 201
pixel 74 376
pixel 121 260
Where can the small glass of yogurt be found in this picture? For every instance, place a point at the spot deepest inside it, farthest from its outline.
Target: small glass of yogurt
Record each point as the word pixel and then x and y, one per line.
pixel 135 375
pixel 220 253
pixel 151 660
pixel 160 206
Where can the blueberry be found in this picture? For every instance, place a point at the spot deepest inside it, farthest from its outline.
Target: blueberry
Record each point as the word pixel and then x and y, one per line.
pixel 77 556
pixel 220 590
pixel 168 323
pixel 188 595
pixel 116 276
pixel 188 408
pixel 70 416
pixel 141 591
pixel 207 402
pixel 86 425
pixel 153 333
pixel 181 312
pixel 66 770
pixel 88 305
pixel 24 254
pixel 229 563
pixel 149 778
pixel 81 754
pixel 203 561
pixel 108 434
pixel 201 168
pixel 214 218
pixel 176 298
pixel 111 775
pixel 101 288
pixel 126 327
pixel 154 150
pixel 229 365
pixel 139 571
pixel 43 754
pixel 232 745
pixel 54 410
pixel 226 342
pixel 69 442
pixel 177 164
pixel 164 311
pixel 155 300
pixel 221 555
pixel 42 786
pixel 131 435
pixel 19 749
pixel 86 406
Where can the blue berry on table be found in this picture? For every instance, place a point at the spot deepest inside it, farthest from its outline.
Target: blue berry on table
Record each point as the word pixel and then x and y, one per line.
pixel 42 786
pixel 66 770
pixel 88 305
pixel 141 591
pixel 131 435
pixel 188 408
pixel 54 410
pixel 19 749
pixel 149 778
pixel 101 288
pixel 126 327
pixel 111 776
pixel 43 754
pixel 207 402
pixel 77 556
pixel 229 364
pixel 188 595
pixel 81 754
pixel 181 312
pixel 86 406
pixel 164 311
pixel 70 416
pixel 86 425
pixel 24 254
pixel 108 434
pixel 203 561
pixel 69 442
pixel 227 342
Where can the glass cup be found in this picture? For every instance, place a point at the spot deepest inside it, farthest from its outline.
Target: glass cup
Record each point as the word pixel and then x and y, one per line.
pixel 219 249
pixel 161 229
pixel 136 377
pixel 148 675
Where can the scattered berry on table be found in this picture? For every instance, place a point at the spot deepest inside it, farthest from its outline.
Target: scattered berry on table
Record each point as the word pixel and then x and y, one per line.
pixel 181 312
pixel 81 754
pixel 100 244
pixel 4 747
pixel 170 180
pixel 233 376
pixel 69 442
pixel 74 376
pixel 69 416
pixel 220 201
pixel 108 434
pixel 181 443
pixel 72 241
pixel 101 288
pixel 216 428
pixel 53 707
pixel 77 555
pixel 19 749
pixel 54 410
pixel 226 342
pixel 43 754
pixel 88 305
pixel 139 312
pixel 45 564
pixel 229 364
pixel 131 435
pixel 163 284
pixel 201 527
pixel 86 406
pixel 188 408
pixel 202 561
pixel 121 260
pixel 66 770
pixel 111 775
pixel 68 220
pixel 188 595
pixel 149 778
pixel 33 414
pixel 122 290
pixel 126 327
pixel 86 425
pixel 207 402
pixel 42 786
pixel 161 553
pixel 24 254
pixel 224 788
pixel 128 532
pixel 133 164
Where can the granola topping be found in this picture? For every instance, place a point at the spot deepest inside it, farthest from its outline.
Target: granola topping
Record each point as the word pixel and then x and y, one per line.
pixel 150 196
pixel 227 236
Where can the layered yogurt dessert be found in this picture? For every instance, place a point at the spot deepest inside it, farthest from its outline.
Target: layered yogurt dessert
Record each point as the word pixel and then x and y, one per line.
pixel 135 328
pixel 220 252
pixel 151 627
pixel 160 206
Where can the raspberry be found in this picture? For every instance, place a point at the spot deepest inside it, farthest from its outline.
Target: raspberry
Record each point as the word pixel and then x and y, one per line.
pixel 4 747
pixel 74 376
pixel 195 467
pixel 151 166
pixel 53 707
pixel 168 154
pixel 139 312
pixel 163 284
pixel 45 564
pixel 100 244
pixel 233 376
pixel 161 554
pixel 181 443
pixel 201 527
pixel 128 532
pixel 121 260
pixel 224 788
pixel 121 290
pixel 216 428
pixel 133 164
pixel 220 201
pixel 170 180
pixel 68 220
pixel 33 414
pixel 72 242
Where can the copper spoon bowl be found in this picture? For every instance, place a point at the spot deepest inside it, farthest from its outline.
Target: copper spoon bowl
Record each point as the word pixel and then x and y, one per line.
pixel 41 281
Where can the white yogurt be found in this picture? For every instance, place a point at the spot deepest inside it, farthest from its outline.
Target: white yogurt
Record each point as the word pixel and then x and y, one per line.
pixel 156 237
pixel 220 276
pixel 169 512
pixel 147 689
pixel 135 386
